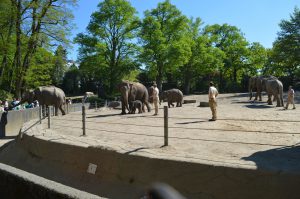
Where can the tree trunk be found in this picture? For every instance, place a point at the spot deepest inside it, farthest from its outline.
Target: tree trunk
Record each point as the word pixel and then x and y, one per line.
pixel 4 63
pixel 187 81
pixel 159 76
pixel 18 67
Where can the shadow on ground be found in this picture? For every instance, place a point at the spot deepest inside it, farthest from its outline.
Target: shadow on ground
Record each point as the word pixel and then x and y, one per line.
pixel 7 143
pixel 192 122
pixel 280 159
pixel 258 106
pixel 108 115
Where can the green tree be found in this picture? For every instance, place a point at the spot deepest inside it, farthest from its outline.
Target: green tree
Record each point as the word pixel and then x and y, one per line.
pixel 30 24
pixel 60 66
pixel 286 48
pixel 165 47
pixel 204 58
pixel 256 60
pixel 71 81
pixel 231 41
pixel 7 45
pixel 109 41
pixel 39 72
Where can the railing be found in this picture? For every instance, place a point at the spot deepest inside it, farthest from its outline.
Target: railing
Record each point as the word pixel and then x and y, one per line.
pixel 12 121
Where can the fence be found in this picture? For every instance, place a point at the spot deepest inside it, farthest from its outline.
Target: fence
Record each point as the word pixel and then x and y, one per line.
pixel 12 121
pixel 85 121
pixel 94 106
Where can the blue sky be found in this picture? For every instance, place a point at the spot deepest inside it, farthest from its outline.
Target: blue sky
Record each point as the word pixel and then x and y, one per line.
pixel 257 19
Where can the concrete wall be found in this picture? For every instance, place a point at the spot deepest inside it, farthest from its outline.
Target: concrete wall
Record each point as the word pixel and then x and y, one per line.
pixel 125 176
pixel 15 183
pixel 12 121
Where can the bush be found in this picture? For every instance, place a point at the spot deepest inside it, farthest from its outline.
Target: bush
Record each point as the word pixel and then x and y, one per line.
pixel 4 95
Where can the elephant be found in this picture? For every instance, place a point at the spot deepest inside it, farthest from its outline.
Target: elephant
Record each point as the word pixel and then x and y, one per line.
pixel 273 87
pixel 131 91
pixel 255 83
pixel 46 95
pixel 172 95
pixel 133 105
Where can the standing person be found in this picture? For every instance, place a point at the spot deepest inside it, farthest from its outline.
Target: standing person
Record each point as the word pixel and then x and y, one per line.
pixel 1 107
pixel 212 94
pixel 5 104
pixel 290 99
pixel 155 96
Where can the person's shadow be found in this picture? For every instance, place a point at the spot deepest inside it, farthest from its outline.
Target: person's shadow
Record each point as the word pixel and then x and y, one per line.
pixel 3 122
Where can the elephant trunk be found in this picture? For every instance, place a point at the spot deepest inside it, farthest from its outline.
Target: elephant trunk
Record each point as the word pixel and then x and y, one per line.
pixel 126 101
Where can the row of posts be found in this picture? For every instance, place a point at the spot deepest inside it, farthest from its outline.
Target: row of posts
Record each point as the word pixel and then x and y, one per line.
pixel 166 117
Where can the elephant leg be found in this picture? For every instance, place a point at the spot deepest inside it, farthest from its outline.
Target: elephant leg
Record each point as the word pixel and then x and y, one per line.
pixel 56 110
pixel 148 106
pixel 278 101
pixel 256 95
pixel 123 108
pixel 61 109
pixel 169 104
pixel 269 99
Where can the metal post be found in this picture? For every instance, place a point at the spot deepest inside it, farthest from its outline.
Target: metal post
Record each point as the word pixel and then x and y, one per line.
pixel 166 126
pixel 96 107
pixel 53 111
pixel 44 111
pixel 49 116
pixel 83 120
pixel 40 114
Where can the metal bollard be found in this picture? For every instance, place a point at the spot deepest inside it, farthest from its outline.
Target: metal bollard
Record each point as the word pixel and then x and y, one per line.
pixel 96 107
pixel 53 111
pixel 40 114
pixel 166 136
pixel 83 120
pixel 49 116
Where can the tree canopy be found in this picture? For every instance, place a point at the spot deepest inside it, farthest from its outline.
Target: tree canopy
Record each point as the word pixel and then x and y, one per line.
pixel 163 45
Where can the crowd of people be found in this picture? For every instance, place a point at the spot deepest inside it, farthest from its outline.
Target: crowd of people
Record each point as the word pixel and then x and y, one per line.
pixel 5 105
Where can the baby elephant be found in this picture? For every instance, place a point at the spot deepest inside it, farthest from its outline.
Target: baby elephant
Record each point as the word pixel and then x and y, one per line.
pixel 173 95
pixel 137 104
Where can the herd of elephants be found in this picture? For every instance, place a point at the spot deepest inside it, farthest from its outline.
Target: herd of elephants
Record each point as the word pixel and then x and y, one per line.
pixel 135 95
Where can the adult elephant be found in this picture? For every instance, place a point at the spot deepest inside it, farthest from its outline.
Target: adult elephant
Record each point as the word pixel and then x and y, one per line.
pixel 46 95
pixel 131 91
pixel 255 83
pixel 274 87
pixel 252 87
pixel 172 95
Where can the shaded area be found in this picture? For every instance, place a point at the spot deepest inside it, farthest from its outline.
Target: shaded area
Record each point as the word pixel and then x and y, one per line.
pixel 283 159
pixel 3 122
pixel 247 102
pixel 258 106
pixel 2 147
pixel 193 122
pixel 135 150
pixel 107 115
